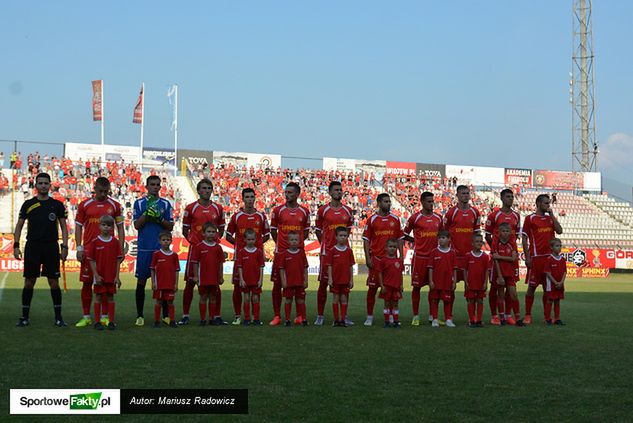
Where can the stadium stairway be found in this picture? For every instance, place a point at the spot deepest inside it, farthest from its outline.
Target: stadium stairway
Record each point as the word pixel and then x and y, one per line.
pixel 184 184
pixel 7 224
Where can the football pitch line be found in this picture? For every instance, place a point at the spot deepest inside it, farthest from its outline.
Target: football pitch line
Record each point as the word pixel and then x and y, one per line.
pixel 3 284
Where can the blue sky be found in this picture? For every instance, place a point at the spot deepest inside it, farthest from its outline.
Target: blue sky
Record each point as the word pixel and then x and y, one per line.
pixel 482 83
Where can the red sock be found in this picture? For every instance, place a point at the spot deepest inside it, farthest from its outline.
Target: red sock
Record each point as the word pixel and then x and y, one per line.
pixel 415 300
pixel 111 307
pixel 302 311
pixel 171 310
pixel 213 310
pixel 237 299
pixel 471 312
pixel 557 310
pixel 343 311
pixel 288 310
pixel 218 302
pixel 428 298
pixel 396 313
pixel 97 312
pixel 104 305
pixel 157 310
pixel 321 297
pixel 247 311
pixel 203 311
pixel 256 310
pixel 528 305
pixel 492 301
pixel 435 305
pixel 187 298
pixel 547 310
pixel 501 306
pixel 335 311
pixel 86 299
pixel 508 304
pixel 277 299
pixel 386 312
pixel 544 299
pixel 371 299
pixel 480 312
pixel 516 305
pixel 448 310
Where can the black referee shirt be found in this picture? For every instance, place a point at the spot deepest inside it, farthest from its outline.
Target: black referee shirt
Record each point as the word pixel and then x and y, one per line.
pixel 42 217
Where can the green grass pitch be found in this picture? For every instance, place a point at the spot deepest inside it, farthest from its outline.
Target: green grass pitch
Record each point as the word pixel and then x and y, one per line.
pixel 579 372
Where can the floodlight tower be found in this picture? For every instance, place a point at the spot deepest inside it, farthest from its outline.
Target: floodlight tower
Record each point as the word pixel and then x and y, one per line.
pixel 584 143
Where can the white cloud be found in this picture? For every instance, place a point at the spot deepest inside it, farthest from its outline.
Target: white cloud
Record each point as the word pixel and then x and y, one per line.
pixel 617 153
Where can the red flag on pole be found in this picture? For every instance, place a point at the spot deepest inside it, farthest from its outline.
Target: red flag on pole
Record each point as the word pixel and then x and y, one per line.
pixel 97 94
pixel 138 110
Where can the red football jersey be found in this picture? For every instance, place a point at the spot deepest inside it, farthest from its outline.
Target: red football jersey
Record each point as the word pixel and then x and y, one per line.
pixel 294 263
pixel 341 261
pixel 462 224
pixel 379 230
pixel 209 258
pixel 539 231
pixel 106 253
pixel 443 265
pixel 556 266
pixel 251 263
pixel 508 269
pixel 197 215
pixel 90 211
pixel 165 266
pixel 477 267
pixel 242 221
pixel 391 269
pixel 425 229
pixel 328 219
pixel 498 217
pixel 286 219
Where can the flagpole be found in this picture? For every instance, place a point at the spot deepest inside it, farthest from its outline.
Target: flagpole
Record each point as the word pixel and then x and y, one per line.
pixel 140 155
pixel 102 127
pixel 175 130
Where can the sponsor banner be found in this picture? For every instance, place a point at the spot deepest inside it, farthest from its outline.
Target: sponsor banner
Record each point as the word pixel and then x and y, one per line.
pixel 477 175
pixel 623 258
pixel 240 159
pixel 196 159
pixel 113 153
pixel 553 179
pixel 429 170
pixel 592 181
pixel 341 165
pixel 64 401
pixel 515 176
pixel 378 167
pixel 401 168
pixel 314 266
pixel 72 266
pixel 97 97
pixel 159 157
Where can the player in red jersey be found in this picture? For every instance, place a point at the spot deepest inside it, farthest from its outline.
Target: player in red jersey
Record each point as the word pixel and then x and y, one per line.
pixel 476 274
pixel 389 269
pixel 250 271
pixel 196 215
pixel 442 278
pixel 538 229
pixel 504 215
pixel 340 269
pixel 462 221
pixel 207 258
pixel 380 227
pixel 285 219
pixel 555 271
pixel 330 217
pixel 164 270
pixel 505 273
pixel 246 218
pixel 104 253
pixel 293 272
pixel 87 218
pixel 425 226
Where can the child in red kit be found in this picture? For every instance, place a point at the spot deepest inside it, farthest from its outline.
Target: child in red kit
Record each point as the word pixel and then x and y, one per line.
pixel 250 265
pixel 164 270
pixel 442 277
pixel 476 277
pixel 505 273
pixel 389 271
pixel 294 278
pixel 340 265
pixel 556 272
pixel 207 259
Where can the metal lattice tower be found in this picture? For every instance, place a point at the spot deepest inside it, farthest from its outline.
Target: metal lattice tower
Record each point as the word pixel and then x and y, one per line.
pixel 584 143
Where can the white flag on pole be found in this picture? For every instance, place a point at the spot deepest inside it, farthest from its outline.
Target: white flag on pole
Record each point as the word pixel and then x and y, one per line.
pixel 171 93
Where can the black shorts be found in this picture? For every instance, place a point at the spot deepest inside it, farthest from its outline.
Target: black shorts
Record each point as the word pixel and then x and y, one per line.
pixel 41 259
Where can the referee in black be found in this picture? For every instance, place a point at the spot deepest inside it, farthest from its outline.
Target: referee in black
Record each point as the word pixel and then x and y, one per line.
pixel 42 250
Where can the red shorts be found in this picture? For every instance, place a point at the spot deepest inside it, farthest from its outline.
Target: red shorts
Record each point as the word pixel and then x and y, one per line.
pixel 105 288
pixel 474 294
pixel 164 294
pixel 441 294
pixel 389 293
pixel 509 281
pixel 274 275
pixel 207 289
pixel 294 291
pixel 339 288
pixel 253 289
pixel 85 273
pixel 460 264
pixel 535 274
pixel 323 275
pixel 372 276
pixel 555 294
pixel 420 271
